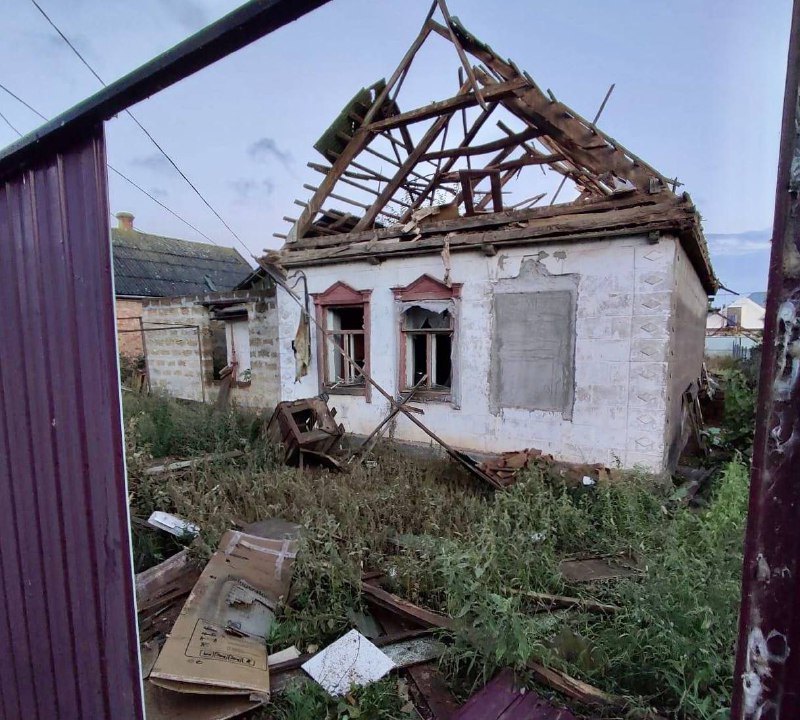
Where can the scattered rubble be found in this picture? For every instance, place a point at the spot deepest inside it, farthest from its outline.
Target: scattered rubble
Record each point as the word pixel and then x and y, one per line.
pixel 503 468
pixel 174 525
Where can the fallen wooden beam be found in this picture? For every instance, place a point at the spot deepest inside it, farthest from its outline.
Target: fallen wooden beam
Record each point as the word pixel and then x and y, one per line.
pixel 404 608
pixel 184 464
pixel 561 601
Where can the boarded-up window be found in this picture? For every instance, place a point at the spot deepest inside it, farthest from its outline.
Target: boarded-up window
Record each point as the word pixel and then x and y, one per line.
pixel 533 363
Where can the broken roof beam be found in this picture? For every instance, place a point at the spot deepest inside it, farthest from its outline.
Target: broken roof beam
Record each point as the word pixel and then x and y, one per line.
pixel 422 147
pixel 488 147
pixel 361 137
pixel 403 67
pixel 498 91
pixel 565 126
pixel 437 178
pixel 461 54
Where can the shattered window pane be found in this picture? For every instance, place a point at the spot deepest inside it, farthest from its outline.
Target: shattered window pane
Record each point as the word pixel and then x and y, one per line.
pixel 418 318
pixel 428 348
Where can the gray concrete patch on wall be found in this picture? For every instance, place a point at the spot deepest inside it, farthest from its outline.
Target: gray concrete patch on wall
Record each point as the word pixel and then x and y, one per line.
pixel 533 341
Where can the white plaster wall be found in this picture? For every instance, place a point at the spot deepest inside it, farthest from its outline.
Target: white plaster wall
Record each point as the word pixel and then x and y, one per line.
pixel 621 353
pixel 687 346
pixel 752 313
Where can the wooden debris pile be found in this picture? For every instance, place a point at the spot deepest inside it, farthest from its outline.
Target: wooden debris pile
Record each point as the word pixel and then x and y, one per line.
pixel 503 468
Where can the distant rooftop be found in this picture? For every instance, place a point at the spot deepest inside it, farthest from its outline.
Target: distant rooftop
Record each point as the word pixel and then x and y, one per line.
pixel 759 297
pixel 148 265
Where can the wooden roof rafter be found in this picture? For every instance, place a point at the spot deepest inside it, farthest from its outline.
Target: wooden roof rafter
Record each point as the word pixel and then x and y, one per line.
pixel 402 183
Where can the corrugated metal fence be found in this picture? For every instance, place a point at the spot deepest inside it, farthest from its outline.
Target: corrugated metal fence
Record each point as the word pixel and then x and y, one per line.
pixel 67 627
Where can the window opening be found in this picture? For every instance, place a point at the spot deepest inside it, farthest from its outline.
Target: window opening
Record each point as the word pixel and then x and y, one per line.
pixel 429 348
pixel 346 326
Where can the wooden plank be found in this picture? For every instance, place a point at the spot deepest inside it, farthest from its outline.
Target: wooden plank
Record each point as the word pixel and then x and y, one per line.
pixel 464 99
pixel 175 576
pixel 475 240
pixel 568 128
pixel 314 205
pixel 560 601
pixel 405 609
pixel 599 206
pixel 573 688
pixel 461 54
pixel 436 179
pixel 402 68
pixel 422 146
pixel 488 147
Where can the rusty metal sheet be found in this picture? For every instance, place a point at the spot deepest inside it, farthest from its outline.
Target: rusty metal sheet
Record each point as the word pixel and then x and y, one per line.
pixel 67 616
pixel 767 675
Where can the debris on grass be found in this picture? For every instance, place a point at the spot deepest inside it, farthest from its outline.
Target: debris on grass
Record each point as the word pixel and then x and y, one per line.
pixel 351 661
pixel 486 572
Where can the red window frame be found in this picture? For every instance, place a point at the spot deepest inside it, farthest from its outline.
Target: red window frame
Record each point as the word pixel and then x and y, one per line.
pixel 340 294
pixel 425 287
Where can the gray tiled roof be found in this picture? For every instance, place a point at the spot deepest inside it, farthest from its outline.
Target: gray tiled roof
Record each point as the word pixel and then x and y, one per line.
pixel 156 266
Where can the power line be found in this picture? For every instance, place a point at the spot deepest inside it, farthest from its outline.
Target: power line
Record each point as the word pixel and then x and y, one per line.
pixel 19 99
pixel 110 167
pixel 142 128
pixel 8 122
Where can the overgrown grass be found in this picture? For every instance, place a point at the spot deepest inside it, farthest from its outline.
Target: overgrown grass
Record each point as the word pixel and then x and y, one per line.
pixel 448 543
pixel 171 428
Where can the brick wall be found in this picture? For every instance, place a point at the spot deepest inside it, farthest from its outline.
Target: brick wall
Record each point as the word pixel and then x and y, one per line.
pixel 183 369
pixel 128 312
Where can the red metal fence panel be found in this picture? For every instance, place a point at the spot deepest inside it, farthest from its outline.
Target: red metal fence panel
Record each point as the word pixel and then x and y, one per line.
pixel 67 623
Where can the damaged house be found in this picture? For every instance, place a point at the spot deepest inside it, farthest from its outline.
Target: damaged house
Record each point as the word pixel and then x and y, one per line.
pixel 526 278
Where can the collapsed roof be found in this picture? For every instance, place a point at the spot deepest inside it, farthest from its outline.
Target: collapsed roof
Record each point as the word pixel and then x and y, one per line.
pixel 450 170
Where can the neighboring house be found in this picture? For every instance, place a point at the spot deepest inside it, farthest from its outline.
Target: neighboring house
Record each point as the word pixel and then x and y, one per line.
pixel 148 266
pixel 736 329
pixel 575 328
pixel 211 339
pixel 744 313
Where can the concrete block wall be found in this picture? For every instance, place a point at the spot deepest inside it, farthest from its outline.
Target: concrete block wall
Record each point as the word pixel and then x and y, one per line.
pixel 174 358
pixel 128 312
pixel 623 347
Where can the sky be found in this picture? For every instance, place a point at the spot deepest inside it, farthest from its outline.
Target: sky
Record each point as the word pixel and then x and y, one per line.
pixel 699 92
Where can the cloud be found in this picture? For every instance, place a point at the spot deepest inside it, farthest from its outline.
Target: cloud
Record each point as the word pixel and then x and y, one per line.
pixel 736 244
pixel 265 148
pixel 189 14
pixel 158 192
pixel 52 42
pixel 155 162
pixel 248 189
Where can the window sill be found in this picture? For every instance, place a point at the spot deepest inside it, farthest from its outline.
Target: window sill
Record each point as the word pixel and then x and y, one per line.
pixel 428 396
pixel 360 390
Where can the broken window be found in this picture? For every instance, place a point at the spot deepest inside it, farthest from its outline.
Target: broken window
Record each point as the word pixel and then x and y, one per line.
pixel 346 328
pixel 428 346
